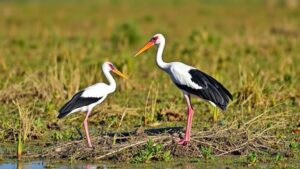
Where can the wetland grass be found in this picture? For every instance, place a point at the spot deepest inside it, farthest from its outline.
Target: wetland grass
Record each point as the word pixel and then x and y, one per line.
pixel 44 59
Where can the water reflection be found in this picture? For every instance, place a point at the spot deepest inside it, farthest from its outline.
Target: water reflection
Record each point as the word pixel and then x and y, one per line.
pixel 90 166
pixel 42 165
pixel 188 166
pixel 19 165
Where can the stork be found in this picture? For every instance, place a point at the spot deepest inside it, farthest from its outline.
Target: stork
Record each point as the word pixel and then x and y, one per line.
pixel 189 80
pixel 85 100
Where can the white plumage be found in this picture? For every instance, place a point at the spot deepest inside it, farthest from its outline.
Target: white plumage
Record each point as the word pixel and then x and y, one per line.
pixel 85 100
pixel 191 81
pixel 98 90
pixel 179 73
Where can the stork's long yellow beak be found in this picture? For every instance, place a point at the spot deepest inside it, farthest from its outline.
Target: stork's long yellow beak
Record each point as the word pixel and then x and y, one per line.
pixel 147 46
pixel 120 74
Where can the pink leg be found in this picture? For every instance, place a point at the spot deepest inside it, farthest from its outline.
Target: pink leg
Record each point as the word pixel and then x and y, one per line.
pixel 189 121
pixel 85 124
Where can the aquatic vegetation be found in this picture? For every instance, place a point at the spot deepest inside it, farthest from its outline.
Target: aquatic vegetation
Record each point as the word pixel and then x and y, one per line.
pixel 206 152
pixel 294 145
pixel 152 151
pixel 278 157
pixel 252 158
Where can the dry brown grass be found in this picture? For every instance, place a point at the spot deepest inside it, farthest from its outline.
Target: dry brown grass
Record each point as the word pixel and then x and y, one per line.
pixel 236 138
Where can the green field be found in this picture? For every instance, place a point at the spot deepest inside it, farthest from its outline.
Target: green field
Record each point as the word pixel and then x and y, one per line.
pixel 51 49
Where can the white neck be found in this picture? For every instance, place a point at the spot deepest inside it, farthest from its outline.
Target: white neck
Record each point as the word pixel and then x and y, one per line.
pixel 160 63
pixel 110 79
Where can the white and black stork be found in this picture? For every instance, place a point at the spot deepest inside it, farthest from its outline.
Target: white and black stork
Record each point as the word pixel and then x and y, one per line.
pixel 85 100
pixel 191 81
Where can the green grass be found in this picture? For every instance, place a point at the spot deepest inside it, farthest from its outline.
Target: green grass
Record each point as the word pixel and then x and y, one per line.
pixel 151 151
pixel 51 49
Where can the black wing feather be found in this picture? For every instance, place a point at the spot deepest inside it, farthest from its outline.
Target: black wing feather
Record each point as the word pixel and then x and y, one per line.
pixel 212 90
pixel 76 102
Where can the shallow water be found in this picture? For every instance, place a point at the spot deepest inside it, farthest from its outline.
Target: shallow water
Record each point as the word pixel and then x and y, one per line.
pixel 42 165
pixel 217 163
pixel 86 165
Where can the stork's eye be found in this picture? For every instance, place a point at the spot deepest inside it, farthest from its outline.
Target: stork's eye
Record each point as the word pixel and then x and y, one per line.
pixel 154 39
pixel 111 66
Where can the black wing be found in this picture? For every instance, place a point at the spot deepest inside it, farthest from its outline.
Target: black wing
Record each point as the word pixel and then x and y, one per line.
pixel 212 90
pixel 76 102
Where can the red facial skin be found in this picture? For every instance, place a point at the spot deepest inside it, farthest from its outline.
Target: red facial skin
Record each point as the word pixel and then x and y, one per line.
pixel 154 39
pixel 111 66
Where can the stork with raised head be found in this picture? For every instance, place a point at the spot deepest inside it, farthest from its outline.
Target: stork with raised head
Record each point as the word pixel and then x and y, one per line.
pixel 191 81
pixel 85 100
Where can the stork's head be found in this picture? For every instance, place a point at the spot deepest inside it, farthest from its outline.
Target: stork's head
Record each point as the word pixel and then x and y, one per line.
pixel 157 39
pixel 108 66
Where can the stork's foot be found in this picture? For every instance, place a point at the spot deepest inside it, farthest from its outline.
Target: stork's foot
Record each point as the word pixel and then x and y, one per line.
pixel 183 142
pixel 89 145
